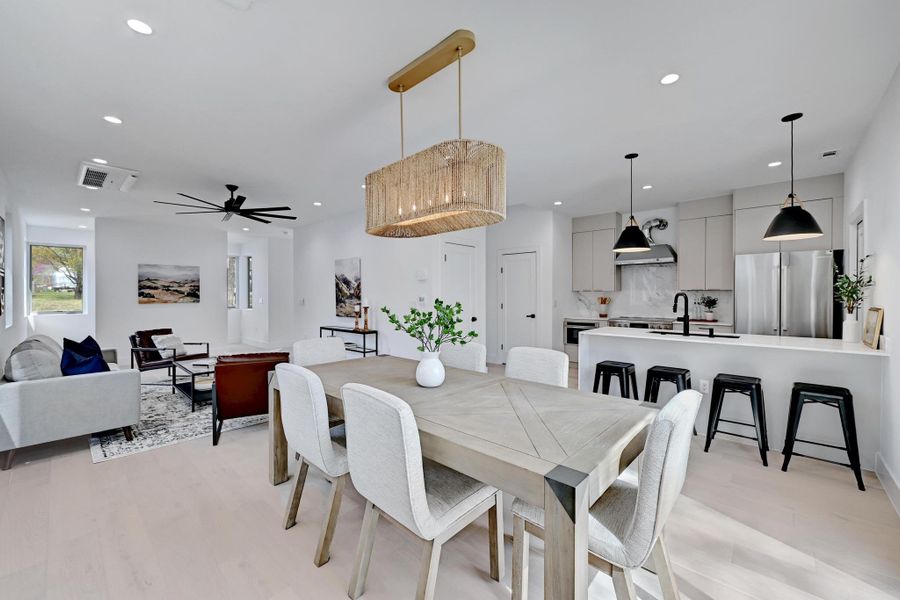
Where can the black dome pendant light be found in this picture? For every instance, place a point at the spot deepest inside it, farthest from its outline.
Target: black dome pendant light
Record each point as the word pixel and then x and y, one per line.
pixel 632 238
pixel 792 222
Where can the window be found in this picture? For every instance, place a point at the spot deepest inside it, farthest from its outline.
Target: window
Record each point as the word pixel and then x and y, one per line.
pixel 231 285
pixel 249 282
pixel 57 279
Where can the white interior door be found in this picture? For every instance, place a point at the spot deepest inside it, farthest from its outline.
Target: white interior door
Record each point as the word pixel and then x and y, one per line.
pixel 518 300
pixel 459 283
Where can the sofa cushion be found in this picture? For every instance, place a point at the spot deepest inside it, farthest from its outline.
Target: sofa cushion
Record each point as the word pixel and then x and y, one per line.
pixel 86 347
pixel 32 359
pixel 145 340
pixel 172 342
pixel 75 364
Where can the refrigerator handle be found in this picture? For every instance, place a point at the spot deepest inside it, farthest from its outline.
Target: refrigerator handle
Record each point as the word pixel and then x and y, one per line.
pixel 784 298
pixel 776 277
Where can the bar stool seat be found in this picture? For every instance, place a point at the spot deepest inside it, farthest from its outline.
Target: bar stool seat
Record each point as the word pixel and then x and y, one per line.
pixel 658 374
pixel 623 371
pixel 747 386
pixel 835 397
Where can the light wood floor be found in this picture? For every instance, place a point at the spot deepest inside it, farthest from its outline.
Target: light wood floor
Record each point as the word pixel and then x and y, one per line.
pixel 193 521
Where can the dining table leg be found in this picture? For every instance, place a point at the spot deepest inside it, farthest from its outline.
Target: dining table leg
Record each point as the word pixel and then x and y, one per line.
pixel 278 447
pixel 565 534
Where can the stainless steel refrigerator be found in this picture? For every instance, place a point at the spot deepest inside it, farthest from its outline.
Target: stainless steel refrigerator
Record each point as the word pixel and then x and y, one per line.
pixel 786 293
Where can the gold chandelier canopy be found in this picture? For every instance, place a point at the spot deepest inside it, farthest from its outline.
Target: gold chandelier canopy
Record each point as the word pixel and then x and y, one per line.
pixel 453 185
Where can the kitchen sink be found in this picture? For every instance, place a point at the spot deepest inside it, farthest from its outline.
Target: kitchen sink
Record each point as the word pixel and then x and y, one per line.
pixel 696 334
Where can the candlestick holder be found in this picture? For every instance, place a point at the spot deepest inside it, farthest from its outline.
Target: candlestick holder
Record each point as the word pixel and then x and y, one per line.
pixel 366 318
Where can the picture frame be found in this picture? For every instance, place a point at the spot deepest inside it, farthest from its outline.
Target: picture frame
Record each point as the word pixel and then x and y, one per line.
pixel 872 327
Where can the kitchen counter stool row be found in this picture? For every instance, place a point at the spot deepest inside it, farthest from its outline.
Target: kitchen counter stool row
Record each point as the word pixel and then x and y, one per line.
pixel 724 383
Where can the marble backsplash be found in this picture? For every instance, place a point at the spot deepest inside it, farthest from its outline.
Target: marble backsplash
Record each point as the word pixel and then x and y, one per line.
pixel 648 291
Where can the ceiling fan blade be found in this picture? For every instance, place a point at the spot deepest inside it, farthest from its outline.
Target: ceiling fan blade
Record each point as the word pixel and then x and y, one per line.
pixel 252 218
pixel 237 202
pixel 256 214
pixel 267 209
pixel 179 204
pixel 227 216
pixel 198 212
pixel 199 200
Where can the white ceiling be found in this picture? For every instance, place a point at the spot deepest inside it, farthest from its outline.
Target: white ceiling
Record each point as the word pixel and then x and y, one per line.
pixel 288 99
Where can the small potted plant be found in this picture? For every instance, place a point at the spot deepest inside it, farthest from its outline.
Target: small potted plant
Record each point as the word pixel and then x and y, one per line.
pixel 432 329
pixel 604 302
pixel 850 290
pixel 709 304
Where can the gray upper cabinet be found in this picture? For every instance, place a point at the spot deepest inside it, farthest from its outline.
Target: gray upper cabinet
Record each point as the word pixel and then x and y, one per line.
pixel 582 261
pixel 750 225
pixel 605 276
pixel 719 253
pixel 593 261
pixel 692 254
pixel 705 259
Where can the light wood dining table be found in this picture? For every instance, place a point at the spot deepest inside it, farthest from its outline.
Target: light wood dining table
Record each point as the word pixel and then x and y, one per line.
pixel 553 447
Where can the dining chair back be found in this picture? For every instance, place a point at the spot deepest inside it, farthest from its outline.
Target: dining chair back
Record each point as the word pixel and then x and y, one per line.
pixel 540 365
pixel 471 356
pixel 317 351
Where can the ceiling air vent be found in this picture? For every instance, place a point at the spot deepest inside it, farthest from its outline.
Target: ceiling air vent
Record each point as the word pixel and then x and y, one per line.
pixel 829 154
pixel 105 177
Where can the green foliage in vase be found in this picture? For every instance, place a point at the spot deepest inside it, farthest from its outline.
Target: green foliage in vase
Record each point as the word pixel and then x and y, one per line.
pixel 851 289
pixel 433 328
pixel 708 302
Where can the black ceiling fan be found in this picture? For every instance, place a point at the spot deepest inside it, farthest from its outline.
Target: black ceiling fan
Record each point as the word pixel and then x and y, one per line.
pixel 231 207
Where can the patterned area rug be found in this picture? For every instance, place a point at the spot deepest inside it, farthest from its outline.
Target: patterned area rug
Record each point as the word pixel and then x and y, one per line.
pixel 166 419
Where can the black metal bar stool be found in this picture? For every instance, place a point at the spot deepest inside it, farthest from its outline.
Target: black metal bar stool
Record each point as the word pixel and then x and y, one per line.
pixel 748 386
pixel 657 374
pixel 608 369
pixel 835 397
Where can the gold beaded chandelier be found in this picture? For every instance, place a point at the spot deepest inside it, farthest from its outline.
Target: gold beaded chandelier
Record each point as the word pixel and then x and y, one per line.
pixel 455 184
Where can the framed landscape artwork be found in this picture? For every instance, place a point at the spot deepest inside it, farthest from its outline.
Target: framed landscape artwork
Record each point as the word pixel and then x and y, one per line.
pixel 347 285
pixel 168 284
pixel 872 327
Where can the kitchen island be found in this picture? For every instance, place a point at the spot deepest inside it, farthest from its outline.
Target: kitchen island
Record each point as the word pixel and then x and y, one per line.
pixel 777 361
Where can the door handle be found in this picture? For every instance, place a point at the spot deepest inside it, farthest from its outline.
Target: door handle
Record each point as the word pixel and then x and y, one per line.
pixel 474 319
pixel 531 316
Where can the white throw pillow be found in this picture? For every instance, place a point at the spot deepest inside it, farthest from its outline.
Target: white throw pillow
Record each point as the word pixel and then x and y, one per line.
pixel 169 341
pixel 30 361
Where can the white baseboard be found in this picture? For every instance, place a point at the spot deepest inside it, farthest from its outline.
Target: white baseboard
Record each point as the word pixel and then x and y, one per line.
pixel 888 481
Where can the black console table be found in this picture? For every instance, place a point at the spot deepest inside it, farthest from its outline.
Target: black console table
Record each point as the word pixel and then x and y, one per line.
pixel 363 349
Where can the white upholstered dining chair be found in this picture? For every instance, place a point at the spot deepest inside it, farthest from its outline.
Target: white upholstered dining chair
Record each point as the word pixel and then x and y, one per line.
pixel 430 500
pixel 471 356
pixel 304 415
pixel 626 523
pixel 317 351
pixel 540 365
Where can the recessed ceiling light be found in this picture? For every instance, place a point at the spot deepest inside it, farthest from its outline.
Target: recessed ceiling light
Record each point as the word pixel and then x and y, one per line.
pixel 245 228
pixel 557 203
pixel 85 210
pixel 776 163
pixel 363 186
pixel 112 119
pixel 139 26
pixel 669 79
pixel 317 204
pixel 647 187
pixel 100 161
pixel 82 227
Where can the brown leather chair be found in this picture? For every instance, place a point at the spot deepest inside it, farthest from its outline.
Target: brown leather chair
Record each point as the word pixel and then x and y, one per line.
pixel 145 356
pixel 241 387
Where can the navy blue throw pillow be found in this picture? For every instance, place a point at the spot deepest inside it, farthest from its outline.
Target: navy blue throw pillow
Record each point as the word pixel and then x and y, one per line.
pixel 80 358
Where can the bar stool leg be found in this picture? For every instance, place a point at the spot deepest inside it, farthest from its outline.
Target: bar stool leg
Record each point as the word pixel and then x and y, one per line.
pixel 848 421
pixel 715 409
pixel 792 425
pixel 764 422
pixel 605 385
pixel 683 382
pixel 623 383
pixel 634 387
pixel 760 425
pixel 648 389
pixel 597 375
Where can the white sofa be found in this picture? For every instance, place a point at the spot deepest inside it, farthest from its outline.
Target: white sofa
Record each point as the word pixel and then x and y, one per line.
pixel 46 410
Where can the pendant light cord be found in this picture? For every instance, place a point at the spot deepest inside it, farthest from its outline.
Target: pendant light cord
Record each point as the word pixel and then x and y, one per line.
pixel 631 183
pixel 402 150
pixel 792 163
pixel 459 86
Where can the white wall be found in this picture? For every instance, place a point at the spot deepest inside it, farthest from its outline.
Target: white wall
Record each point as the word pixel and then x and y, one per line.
pixel 390 275
pixel 13 324
pixel 121 245
pixel 75 326
pixel 281 291
pixel 525 229
pixel 872 183
pixel 255 321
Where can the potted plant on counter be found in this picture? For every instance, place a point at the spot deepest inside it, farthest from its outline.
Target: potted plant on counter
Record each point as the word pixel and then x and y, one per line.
pixel 709 304
pixel 432 329
pixel 851 291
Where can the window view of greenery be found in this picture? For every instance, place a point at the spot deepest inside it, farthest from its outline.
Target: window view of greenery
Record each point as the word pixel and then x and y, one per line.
pixel 57 279
pixel 231 293
pixel 249 282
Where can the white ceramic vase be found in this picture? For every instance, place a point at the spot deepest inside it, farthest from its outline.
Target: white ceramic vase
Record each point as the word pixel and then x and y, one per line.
pixel 430 372
pixel 709 315
pixel 852 331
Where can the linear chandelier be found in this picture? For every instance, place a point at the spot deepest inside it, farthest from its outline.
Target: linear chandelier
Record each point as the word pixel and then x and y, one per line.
pixel 455 184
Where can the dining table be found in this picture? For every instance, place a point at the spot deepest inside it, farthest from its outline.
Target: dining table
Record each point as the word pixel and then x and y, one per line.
pixel 554 447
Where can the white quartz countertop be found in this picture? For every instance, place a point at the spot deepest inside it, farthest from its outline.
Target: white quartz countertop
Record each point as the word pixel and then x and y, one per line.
pixel 745 340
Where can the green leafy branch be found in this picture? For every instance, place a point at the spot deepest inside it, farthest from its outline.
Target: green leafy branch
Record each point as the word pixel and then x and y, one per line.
pixel 433 328
pixel 850 289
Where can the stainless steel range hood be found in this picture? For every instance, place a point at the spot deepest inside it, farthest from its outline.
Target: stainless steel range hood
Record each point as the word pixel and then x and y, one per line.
pixel 659 254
